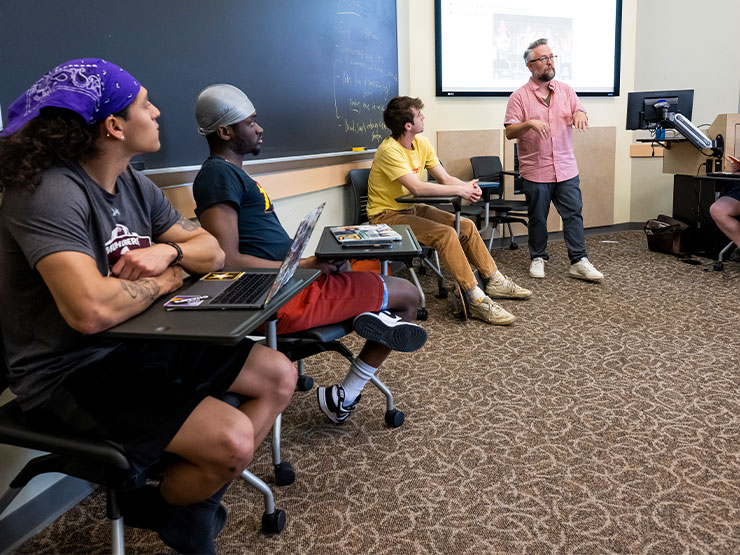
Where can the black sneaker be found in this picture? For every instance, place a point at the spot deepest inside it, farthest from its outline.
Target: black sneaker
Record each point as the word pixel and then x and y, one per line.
pixel 390 330
pixel 331 402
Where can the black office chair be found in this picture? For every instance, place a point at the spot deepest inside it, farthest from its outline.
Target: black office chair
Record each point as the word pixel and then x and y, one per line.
pixel 301 345
pixel 92 459
pixel 358 180
pixel 498 210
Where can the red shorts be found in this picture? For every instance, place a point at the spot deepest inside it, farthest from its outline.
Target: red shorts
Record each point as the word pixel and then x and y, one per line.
pixel 331 298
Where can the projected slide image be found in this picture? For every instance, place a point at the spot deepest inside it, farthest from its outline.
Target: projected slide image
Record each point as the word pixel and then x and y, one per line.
pixel 511 37
pixel 480 44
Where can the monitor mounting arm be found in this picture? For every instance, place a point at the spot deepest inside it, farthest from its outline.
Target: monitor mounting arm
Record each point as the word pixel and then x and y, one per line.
pixel 692 133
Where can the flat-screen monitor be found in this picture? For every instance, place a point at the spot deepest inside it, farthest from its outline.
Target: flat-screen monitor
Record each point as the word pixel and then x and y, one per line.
pixel 480 44
pixel 642 112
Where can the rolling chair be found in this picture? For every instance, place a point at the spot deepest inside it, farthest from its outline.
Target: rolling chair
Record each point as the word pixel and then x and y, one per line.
pixel 490 172
pixel 92 459
pixel 358 215
pixel 300 345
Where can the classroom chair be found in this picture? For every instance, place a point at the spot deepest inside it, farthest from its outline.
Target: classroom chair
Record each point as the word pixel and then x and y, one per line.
pixel 497 211
pixel 92 459
pixel 358 180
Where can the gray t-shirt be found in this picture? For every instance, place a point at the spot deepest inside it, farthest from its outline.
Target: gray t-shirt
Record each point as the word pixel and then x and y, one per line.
pixel 68 211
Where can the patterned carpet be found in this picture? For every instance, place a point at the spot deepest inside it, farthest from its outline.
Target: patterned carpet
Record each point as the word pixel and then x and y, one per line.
pixel 606 419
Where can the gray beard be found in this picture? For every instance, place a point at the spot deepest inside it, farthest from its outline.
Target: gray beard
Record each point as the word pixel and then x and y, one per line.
pixel 547 77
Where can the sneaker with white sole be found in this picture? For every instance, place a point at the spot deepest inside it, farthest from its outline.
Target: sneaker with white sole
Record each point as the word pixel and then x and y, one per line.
pixel 390 330
pixel 505 288
pixel 583 269
pixel 331 403
pixel 537 268
pixel 490 312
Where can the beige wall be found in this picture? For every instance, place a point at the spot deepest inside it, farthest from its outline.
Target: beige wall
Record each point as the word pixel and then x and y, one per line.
pixel 488 112
pixel 680 47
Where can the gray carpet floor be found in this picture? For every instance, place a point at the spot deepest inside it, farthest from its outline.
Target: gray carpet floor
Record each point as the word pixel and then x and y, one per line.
pixel 606 419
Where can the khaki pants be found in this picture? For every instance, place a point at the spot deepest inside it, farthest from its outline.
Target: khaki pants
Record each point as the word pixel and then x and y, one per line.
pixel 436 228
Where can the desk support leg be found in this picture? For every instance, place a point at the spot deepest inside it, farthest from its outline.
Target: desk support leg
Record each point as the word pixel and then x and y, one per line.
pixel 284 473
pixel 384 267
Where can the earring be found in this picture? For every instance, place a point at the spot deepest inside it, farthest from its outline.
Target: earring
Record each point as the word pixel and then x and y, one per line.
pixel 123 138
pixel 107 134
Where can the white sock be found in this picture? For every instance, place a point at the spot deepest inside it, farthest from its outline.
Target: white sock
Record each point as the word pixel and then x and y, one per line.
pixel 498 276
pixel 358 375
pixel 475 294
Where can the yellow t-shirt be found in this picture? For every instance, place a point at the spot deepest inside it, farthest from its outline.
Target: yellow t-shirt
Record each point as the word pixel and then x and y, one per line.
pixel 391 162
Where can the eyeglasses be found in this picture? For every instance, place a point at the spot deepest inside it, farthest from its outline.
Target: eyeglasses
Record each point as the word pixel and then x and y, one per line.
pixel 544 59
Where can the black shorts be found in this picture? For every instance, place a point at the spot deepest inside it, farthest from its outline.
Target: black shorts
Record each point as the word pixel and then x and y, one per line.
pixel 141 394
pixel 734 192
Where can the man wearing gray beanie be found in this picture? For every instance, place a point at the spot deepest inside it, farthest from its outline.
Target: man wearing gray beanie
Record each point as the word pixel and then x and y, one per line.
pixel 239 213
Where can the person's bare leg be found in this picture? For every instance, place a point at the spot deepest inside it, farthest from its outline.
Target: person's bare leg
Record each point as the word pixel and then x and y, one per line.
pixel 725 212
pixel 217 441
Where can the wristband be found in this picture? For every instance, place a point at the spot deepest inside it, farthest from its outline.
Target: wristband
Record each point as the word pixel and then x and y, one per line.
pixel 175 246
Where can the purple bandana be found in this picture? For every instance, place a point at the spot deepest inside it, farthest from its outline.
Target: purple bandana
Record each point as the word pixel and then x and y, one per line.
pixel 93 88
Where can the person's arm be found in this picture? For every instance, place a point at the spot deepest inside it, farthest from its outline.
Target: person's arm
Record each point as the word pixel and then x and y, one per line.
pixel 516 130
pixel 446 185
pixel 90 302
pixel 200 253
pixel 222 220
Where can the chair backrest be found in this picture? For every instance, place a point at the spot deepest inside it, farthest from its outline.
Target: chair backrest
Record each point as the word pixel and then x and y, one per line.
pixel 358 183
pixel 488 168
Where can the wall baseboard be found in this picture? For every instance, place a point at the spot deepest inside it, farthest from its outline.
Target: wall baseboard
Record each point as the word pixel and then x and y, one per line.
pixel 35 515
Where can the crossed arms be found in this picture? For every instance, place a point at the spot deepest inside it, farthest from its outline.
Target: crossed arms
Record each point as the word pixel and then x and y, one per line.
pixel 90 302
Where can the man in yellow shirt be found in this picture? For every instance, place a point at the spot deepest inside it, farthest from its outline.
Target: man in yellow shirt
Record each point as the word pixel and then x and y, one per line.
pixel 395 172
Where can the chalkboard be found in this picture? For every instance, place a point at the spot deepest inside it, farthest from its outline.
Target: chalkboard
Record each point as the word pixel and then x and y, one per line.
pixel 319 72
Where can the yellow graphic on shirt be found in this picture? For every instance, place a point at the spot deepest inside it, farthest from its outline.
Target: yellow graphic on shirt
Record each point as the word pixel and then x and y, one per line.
pixel 268 202
pixel 222 276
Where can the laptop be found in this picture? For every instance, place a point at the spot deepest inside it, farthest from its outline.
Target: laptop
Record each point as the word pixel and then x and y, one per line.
pixel 247 289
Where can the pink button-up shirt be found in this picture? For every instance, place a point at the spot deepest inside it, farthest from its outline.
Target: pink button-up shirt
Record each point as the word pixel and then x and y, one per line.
pixel 545 160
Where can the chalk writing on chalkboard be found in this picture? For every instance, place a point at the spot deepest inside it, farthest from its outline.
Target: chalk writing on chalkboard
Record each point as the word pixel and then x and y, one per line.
pixel 364 79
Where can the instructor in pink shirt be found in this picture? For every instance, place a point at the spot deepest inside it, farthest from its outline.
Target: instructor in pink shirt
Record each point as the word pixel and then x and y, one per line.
pixel 541 115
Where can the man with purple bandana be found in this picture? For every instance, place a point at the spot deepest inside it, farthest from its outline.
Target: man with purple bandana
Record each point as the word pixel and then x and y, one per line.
pixel 541 115
pixel 86 242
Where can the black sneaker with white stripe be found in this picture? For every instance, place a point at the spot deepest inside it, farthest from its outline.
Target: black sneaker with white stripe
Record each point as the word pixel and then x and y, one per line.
pixel 331 403
pixel 390 330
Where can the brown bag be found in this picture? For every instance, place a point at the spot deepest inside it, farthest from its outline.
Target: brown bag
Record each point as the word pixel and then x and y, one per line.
pixel 666 234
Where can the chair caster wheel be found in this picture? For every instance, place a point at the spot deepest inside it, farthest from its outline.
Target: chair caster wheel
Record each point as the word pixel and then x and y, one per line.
pixel 273 523
pixel 284 474
pixel 305 383
pixel 442 294
pixel 513 247
pixel 422 314
pixel 394 418
pixel 718 266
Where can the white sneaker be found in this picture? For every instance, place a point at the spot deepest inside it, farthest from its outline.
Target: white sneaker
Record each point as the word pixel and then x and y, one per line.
pixel 490 312
pixel 537 268
pixel 505 288
pixel 583 269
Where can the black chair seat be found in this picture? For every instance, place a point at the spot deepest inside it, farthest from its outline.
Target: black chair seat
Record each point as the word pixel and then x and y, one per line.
pixel 330 332
pixel 15 429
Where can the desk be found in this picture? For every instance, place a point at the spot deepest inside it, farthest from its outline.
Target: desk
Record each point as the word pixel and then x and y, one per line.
pixel 405 251
pixel 225 327
pixel 692 197
pixel 212 326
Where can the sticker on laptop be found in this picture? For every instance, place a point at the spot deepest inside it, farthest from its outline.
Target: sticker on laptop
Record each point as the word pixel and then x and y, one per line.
pixel 186 300
pixel 222 276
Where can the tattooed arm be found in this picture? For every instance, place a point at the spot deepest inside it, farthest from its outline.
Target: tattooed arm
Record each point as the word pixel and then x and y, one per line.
pixel 90 302
pixel 200 253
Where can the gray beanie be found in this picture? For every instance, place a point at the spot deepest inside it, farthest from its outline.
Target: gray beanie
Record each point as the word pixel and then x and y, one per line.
pixel 220 105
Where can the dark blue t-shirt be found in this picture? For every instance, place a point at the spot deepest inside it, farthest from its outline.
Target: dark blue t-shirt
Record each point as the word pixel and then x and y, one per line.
pixel 260 231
